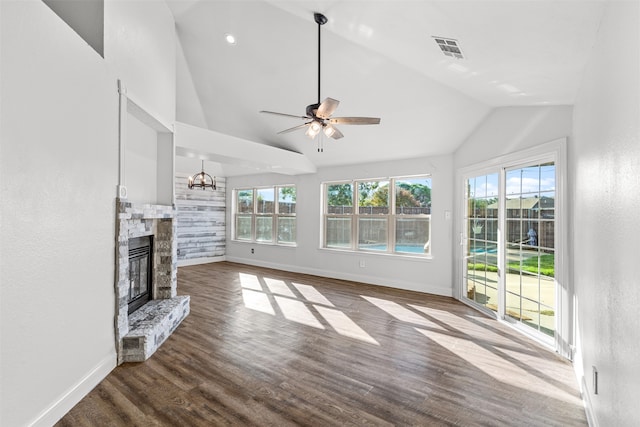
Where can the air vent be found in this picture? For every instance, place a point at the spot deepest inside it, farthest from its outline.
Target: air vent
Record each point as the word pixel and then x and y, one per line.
pixel 449 47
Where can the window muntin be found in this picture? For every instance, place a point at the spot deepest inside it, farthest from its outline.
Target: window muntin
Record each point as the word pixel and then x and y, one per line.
pixel 245 201
pixel 373 197
pixel 286 218
pixel 264 201
pixel 264 228
pixel 338 232
pixel 340 198
pixel 413 215
pixel 372 233
pixel 244 220
pixel 244 227
pixel 393 215
pixel 266 215
pixel 373 219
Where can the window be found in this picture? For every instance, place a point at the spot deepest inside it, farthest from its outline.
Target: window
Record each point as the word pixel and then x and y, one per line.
pixel 286 218
pixel 266 215
pixel 393 215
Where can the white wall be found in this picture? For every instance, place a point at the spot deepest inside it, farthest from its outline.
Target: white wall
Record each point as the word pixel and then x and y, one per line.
pixel 604 162
pixel 59 169
pixel 140 48
pixel 141 161
pixel 510 129
pixel 425 275
pixel 188 106
pixel 58 177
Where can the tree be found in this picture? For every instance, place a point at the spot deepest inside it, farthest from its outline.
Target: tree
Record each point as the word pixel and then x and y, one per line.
pixel 287 193
pixel 420 192
pixel 405 199
pixel 366 192
pixel 340 195
pixel 380 197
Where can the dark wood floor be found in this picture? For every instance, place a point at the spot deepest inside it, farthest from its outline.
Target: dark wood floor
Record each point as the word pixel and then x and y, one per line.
pixel 270 348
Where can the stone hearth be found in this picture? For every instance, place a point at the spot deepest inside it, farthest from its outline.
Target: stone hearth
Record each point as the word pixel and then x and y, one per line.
pixel 140 334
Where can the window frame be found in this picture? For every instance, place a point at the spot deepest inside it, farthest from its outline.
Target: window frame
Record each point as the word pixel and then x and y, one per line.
pixel 555 151
pixel 391 217
pixel 255 215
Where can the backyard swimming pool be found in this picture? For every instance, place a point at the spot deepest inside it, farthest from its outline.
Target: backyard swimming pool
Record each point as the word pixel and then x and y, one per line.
pixel 415 249
pixel 483 249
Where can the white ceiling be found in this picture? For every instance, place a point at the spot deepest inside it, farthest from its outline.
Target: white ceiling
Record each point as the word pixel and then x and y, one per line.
pixel 379 59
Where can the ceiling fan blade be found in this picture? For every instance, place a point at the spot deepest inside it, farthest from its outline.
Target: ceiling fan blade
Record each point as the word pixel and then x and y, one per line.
pixel 355 120
pixel 285 115
pixel 294 128
pixel 326 109
pixel 336 133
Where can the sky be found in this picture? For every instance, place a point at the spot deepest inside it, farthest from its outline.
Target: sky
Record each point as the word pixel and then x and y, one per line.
pixel 529 181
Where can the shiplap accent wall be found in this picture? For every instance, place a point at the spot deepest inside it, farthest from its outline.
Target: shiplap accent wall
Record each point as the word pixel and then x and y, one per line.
pixel 201 221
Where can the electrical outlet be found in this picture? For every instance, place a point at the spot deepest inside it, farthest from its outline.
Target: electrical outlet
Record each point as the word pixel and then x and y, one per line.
pixel 362 264
pixel 252 250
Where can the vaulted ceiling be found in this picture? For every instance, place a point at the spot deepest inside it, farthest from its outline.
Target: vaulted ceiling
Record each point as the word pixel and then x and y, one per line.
pixel 379 58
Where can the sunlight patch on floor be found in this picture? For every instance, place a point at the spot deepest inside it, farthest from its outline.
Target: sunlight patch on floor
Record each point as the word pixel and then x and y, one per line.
pixel 258 301
pixel 463 324
pixel 250 281
pixel 297 312
pixel 557 387
pixel 311 294
pixel 436 312
pixel 483 359
pixel 278 287
pixel 344 325
pixel 494 364
pixel 400 312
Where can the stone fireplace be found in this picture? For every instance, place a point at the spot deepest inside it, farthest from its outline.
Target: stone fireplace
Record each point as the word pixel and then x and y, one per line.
pixel 141 330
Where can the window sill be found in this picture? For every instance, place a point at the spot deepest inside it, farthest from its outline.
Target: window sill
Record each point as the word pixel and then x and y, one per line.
pixel 279 245
pixel 407 257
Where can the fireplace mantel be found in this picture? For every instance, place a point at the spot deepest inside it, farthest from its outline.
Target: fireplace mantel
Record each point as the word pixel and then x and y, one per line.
pixel 168 310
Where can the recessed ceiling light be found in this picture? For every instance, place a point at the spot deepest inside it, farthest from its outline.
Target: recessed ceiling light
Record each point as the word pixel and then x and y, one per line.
pixel 230 38
pixel 449 47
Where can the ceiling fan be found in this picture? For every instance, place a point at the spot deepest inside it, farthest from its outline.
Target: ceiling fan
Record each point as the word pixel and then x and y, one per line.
pixel 318 116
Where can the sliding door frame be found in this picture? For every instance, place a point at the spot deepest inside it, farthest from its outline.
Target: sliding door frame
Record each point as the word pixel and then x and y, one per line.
pixel 551 151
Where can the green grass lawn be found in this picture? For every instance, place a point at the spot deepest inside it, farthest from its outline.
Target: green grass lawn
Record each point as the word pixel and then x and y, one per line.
pixel 546 268
pixel 482 267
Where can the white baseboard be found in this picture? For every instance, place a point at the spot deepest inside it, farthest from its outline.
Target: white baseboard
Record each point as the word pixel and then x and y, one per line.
pixel 588 408
pixel 198 261
pixel 371 280
pixel 71 397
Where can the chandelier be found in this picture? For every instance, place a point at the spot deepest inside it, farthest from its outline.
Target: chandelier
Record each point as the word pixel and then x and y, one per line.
pixel 202 180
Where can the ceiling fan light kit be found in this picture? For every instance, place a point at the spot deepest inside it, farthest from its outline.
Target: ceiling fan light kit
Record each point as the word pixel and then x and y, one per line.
pixel 318 115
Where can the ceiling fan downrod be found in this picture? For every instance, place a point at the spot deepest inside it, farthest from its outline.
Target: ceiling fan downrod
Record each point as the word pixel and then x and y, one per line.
pixel 320 20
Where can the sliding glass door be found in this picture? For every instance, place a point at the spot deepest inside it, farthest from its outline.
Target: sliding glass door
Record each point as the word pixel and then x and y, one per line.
pixel 509 244
pixel 529 201
pixel 481 222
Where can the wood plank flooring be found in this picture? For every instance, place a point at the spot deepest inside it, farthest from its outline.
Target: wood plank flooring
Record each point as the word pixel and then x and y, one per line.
pixel 270 348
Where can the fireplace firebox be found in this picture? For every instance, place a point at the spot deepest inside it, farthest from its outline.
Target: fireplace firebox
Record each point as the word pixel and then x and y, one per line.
pixel 140 272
